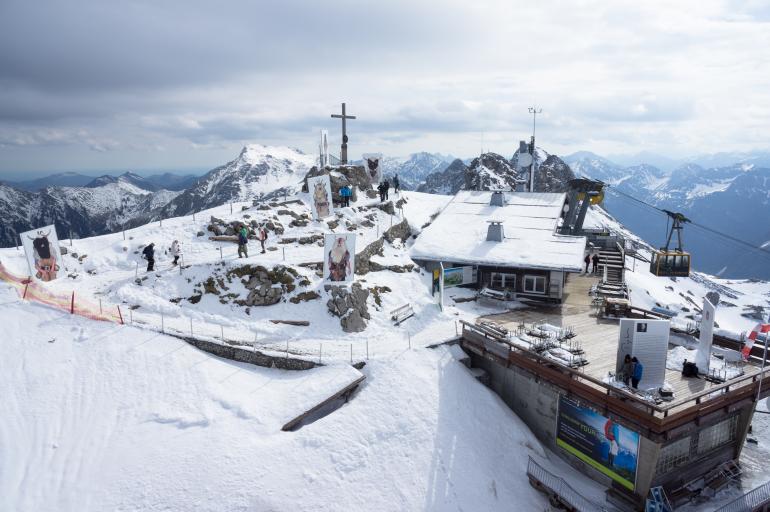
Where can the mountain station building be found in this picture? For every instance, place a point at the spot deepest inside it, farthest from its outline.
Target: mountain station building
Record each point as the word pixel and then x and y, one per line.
pixel 509 238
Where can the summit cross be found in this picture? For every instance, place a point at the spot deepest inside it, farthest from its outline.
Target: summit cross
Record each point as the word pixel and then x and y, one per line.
pixel 344 117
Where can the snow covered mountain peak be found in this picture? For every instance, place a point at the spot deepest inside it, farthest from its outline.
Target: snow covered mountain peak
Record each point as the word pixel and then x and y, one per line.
pixel 254 154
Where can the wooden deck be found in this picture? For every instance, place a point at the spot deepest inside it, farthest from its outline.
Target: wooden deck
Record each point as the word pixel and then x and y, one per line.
pixel 599 336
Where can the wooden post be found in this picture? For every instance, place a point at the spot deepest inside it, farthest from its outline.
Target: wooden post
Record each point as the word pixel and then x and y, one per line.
pixel 136 272
pixel 100 307
pixel 72 303
pixel 120 315
pixel 287 350
pixel 367 349
pixel 162 324
pixel 409 334
pixel 191 331
pixel 231 208
pixel 351 353
pixel 70 238
pixel 283 249
pixel 130 316
pixel 320 352
pixel 220 251
pixel 26 285
pixel 193 216
pixel 161 222
pixel 222 331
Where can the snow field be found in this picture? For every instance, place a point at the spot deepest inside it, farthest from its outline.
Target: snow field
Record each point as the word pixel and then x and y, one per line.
pixel 107 417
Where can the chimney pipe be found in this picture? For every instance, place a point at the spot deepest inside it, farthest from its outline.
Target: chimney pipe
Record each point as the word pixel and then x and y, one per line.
pixel 495 231
pixel 497 199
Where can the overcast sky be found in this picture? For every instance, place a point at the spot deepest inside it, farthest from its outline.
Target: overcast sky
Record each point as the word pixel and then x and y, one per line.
pixel 183 84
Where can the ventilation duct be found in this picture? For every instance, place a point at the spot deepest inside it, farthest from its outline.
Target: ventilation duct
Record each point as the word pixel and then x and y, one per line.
pixel 498 198
pixel 495 231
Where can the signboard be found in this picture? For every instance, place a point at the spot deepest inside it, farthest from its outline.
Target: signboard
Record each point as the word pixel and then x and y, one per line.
pixel 373 167
pixel 598 441
pixel 339 257
pixel 647 341
pixel 459 275
pixel 41 246
pixel 703 355
pixel 320 191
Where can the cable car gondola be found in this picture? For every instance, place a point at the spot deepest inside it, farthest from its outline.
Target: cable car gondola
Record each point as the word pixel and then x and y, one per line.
pixel 672 262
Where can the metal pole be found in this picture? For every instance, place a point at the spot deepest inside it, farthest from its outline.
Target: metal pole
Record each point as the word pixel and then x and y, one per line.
pixel 367 349
pixel 410 339
pixel 136 272
pixel 222 331
pixel 220 251
pixel 162 324
pixel 284 253
pixel 351 353
pixel 762 372
pixel 320 352
pixel 100 306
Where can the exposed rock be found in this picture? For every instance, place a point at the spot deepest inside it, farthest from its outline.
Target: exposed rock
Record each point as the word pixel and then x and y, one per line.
pixel 200 233
pixel 304 296
pixel 387 207
pixel 448 181
pixel 63 250
pixel 400 230
pixel 371 194
pixel 363 258
pixel 215 229
pixel 350 306
pixel 352 175
pixel 333 223
pixel 490 171
pixel 298 223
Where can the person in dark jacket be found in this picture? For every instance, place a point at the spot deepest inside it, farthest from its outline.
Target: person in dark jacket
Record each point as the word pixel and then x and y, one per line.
pixel 396 184
pixel 627 370
pixel 149 255
pixel 243 241
pixel 387 188
pixel 636 375
pixel 595 260
pixel 587 259
pixel 381 190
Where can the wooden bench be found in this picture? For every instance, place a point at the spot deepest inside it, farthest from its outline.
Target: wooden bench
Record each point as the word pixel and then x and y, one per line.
pixel 401 314
pixel 489 293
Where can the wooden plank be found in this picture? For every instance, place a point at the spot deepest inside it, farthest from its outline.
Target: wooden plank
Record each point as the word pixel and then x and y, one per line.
pixel 350 387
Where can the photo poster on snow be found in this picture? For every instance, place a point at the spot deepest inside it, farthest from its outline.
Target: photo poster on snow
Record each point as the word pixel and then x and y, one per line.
pixel 603 444
pixel 339 257
pixel 647 340
pixel 320 190
pixel 41 246
pixel 459 275
pixel 703 354
pixel 373 167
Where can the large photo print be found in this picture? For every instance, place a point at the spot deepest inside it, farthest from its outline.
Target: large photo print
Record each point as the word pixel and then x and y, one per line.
pixel 598 441
pixel 339 257
pixel 373 167
pixel 320 196
pixel 41 246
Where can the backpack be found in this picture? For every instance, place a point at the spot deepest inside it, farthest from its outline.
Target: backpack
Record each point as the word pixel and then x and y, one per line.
pixel 242 239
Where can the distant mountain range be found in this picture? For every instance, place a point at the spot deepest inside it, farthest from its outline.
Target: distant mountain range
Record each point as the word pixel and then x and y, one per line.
pixel 166 181
pixel 732 199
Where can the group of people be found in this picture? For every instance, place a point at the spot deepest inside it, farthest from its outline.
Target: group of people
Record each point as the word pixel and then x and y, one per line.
pixel 592 259
pixel 632 371
pixel 149 254
pixel 243 240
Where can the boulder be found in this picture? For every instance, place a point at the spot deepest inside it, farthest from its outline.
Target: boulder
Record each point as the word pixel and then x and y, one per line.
pixel 363 258
pixel 353 175
pixel 387 207
pixel 350 306
pixel 400 230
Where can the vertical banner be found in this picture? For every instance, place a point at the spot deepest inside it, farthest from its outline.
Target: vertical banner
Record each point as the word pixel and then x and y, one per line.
pixel 320 191
pixel 646 340
pixel 373 167
pixel 598 441
pixel 41 246
pixel 703 355
pixel 339 257
pixel 324 148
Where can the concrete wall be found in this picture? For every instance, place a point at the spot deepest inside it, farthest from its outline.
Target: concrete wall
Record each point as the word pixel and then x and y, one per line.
pixel 246 355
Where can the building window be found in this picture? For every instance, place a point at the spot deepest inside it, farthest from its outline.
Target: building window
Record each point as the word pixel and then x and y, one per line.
pixel 500 281
pixel 534 284
pixel 673 455
pixel 717 435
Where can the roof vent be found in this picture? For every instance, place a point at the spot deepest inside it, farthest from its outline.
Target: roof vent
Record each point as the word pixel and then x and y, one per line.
pixel 495 231
pixel 497 199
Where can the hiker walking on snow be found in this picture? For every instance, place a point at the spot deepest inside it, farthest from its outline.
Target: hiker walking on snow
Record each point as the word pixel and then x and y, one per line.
pixel 595 260
pixel 243 240
pixel 587 260
pixel 345 193
pixel 176 251
pixel 396 184
pixel 387 188
pixel 381 190
pixel 149 254
pixel 262 236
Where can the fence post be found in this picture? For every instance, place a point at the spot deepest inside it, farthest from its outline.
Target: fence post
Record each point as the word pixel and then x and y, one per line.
pixel 162 324
pixel 120 315
pixel 222 332
pixel 124 233
pixel 100 307
pixel 287 350
pixel 136 272
pixel 409 334
pixel 26 285
pixel 283 249
pixel 130 315
pixel 72 303
pixel 351 353
pixel 231 208
pixel 193 216
pixel 220 251
pixel 191 331
pixel 320 352
pixel 367 349
pixel 161 222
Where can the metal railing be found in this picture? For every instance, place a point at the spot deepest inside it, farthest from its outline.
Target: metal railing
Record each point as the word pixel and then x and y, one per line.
pixel 559 487
pixel 756 499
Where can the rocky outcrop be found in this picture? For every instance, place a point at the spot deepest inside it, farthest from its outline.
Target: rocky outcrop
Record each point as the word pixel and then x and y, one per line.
pixel 350 306
pixel 400 230
pixel 352 175
pixel 448 181
pixel 363 259
pixel 552 174
pixel 490 171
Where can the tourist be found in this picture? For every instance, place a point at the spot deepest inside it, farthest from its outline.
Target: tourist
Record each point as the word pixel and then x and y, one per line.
pixel 587 260
pixel 396 184
pixel 627 370
pixel 243 240
pixel 176 251
pixel 149 254
pixel 387 188
pixel 596 263
pixel 345 193
pixel 262 236
pixel 636 375
pixel 381 190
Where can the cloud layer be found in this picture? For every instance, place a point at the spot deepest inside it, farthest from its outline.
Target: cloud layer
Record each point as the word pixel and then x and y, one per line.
pixel 180 84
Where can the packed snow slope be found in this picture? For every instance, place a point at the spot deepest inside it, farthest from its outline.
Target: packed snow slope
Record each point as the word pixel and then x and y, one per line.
pixel 98 416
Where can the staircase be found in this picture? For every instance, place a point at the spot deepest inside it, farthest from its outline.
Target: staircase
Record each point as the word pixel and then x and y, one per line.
pixel 615 261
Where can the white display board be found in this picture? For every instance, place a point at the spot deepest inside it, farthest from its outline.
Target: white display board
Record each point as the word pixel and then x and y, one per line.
pixel 373 167
pixel 647 340
pixel 320 190
pixel 703 355
pixel 41 246
pixel 324 148
pixel 339 257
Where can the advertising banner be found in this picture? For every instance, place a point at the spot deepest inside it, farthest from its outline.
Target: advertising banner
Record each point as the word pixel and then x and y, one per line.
pixel 41 246
pixel 459 275
pixel 320 191
pixel 598 441
pixel 339 257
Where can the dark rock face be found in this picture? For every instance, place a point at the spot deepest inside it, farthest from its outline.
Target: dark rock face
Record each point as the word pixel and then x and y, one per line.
pixel 350 306
pixel 552 174
pixel 490 171
pixel 400 230
pixel 363 263
pixel 448 181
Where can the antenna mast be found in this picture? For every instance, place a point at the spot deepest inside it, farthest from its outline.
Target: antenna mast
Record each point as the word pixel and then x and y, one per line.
pixel 533 166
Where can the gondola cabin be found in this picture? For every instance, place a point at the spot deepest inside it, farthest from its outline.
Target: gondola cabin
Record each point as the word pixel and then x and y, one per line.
pixel 670 263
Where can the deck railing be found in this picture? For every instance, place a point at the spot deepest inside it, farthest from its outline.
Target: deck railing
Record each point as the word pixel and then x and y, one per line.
pixel 560 488
pixel 756 499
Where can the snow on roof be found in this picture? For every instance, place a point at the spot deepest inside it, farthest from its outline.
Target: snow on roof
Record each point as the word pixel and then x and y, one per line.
pixel 529 220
